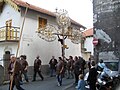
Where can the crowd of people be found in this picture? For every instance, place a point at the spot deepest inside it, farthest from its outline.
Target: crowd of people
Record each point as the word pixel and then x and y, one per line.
pixel 67 67
pixel 72 67
pixel 19 67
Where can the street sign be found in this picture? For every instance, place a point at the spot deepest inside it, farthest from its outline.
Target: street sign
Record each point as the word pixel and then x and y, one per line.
pixel 95 41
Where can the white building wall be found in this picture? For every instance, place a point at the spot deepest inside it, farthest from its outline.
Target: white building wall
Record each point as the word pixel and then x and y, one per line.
pixel 73 49
pixel 89 45
pixel 31 45
pixel 9 13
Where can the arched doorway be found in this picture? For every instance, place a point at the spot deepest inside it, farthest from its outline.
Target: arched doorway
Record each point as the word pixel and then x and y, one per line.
pixel 7 52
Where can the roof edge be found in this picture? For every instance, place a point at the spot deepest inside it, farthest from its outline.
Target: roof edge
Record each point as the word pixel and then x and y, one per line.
pixel 44 11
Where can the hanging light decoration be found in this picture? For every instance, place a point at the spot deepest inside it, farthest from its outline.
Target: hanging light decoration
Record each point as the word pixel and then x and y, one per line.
pixel 76 36
pixel 63 20
pixel 47 33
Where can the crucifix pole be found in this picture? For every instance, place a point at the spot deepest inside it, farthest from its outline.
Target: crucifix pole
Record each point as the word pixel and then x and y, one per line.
pixel 63 48
pixel 26 10
pixel 64 22
pixel 12 76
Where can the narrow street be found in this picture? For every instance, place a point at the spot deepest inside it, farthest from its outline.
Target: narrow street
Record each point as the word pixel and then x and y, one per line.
pixel 50 83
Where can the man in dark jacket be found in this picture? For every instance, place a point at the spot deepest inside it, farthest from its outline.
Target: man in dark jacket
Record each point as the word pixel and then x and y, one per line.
pixel 60 70
pixel 24 65
pixel 77 69
pixel 92 77
pixel 82 64
pixel 53 62
pixel 37 68
pixel 70 67
pixel 14 70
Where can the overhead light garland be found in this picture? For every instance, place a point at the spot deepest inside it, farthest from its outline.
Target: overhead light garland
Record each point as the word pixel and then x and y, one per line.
pixel 49 32
pixel 76 36
pixel 63 19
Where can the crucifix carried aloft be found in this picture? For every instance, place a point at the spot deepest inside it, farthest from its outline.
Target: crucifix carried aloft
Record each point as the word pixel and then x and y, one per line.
pixel 49 32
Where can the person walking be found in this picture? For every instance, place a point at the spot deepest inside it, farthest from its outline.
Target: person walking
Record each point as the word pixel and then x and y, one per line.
pixel 77 69
pixel 82 64
pixel 70 67
pixel 92 77
pixel 81 83
pixel 60 71
pixel 14 70
pixel 37 69
pixel 24 65
pixel 53 62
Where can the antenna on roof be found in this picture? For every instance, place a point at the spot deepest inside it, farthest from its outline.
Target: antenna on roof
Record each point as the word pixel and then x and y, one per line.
pixel 56 9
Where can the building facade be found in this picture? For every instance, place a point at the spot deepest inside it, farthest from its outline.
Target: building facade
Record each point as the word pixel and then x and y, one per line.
pixel 12 17
pixel 106 28
pixel 87 44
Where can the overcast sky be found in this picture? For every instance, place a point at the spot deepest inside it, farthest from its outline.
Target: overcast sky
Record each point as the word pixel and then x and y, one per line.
pixel 78 10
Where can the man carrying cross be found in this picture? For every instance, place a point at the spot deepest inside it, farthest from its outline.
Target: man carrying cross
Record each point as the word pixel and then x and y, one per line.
pixel 14 70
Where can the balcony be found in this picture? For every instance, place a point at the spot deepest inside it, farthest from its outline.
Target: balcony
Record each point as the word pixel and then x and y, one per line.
pixel 9 34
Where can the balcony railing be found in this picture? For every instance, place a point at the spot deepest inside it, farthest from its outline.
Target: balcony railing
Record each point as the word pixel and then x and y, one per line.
pixel 9 33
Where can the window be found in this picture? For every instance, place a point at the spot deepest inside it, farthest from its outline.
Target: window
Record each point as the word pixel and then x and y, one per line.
pixel 8 29
pixel 41 22
pixel 9 23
